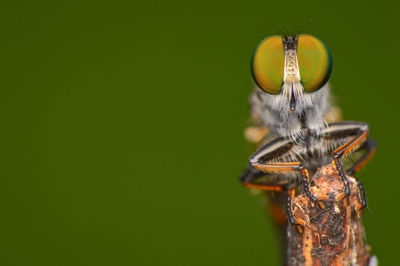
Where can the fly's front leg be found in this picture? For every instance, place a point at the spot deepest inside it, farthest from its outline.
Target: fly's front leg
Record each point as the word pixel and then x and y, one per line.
pixel 248 177
pixel 362 198
pixel 370 147
pixel 271 158
pixel 354 134
pixel 299 223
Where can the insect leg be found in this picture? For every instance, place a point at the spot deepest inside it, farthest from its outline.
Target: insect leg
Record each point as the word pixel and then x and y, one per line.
pixel 363 199
pixel 250 174
pixel 370 146
pixel 299 223
pixel 353 134
pixel 273 157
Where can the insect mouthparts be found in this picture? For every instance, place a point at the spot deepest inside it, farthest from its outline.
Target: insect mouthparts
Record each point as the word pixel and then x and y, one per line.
pixel 292 102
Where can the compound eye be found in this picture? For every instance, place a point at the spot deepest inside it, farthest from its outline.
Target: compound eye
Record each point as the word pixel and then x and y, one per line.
pixel 267 64
pixel 315 62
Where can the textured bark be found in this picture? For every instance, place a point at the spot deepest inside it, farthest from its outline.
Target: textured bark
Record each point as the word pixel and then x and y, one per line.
pixel 333 235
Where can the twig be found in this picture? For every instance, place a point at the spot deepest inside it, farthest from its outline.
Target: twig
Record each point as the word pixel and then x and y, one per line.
pixel 333 235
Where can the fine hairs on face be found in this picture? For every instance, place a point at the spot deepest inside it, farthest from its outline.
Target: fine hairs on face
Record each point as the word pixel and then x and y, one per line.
pixel 282 121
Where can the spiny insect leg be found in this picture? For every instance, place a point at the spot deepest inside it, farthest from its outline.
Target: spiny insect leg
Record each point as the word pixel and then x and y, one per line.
pixel 357 132
pixel 250 174
pixel 370 146
pixel 299 223
pixel 363 199
pixel 306 183
pixel 289 207
pixel 271 158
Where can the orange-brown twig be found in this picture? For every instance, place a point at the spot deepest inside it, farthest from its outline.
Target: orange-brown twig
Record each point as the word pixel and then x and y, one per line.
pixel 333 235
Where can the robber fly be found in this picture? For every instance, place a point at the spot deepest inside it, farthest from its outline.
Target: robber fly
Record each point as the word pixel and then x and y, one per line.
pixel 292 101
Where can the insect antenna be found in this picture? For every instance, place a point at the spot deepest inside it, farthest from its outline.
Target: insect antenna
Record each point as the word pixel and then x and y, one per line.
pixel 299 29
pixel 281 30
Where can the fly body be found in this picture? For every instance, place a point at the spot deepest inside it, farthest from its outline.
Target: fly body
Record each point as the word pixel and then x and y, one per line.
pixel 292 100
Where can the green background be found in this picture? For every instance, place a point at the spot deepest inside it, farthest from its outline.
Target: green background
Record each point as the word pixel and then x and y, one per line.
pixel 122 127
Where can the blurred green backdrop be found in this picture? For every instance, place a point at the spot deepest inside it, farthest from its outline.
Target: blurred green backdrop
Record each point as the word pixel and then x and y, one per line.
pixel 121 127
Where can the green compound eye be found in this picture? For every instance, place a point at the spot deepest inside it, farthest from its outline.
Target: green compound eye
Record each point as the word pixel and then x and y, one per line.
pixel 267 64
pixel 315 62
